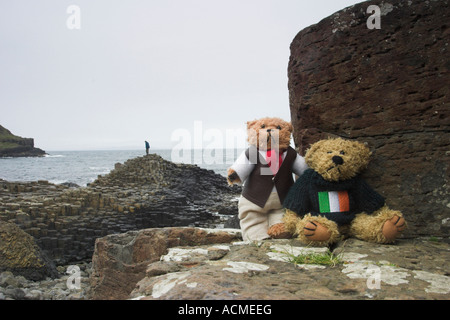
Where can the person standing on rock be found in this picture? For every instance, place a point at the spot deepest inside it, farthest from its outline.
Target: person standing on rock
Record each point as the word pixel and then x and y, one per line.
pixel 147 147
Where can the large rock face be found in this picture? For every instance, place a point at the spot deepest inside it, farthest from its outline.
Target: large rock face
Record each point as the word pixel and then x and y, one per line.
pixel 20 254
pixel 388 87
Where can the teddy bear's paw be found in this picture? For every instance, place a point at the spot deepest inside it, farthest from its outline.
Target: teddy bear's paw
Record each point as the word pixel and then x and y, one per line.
pixel 232 177
pixel 278 231
pixel 393 227
pixel 314 231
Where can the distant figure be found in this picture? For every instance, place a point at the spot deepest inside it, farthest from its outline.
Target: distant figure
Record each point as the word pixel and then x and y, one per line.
pixel 147 146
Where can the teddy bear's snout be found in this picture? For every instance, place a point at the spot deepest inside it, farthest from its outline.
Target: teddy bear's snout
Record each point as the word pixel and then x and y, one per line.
pixel 337 160
pixel 270 131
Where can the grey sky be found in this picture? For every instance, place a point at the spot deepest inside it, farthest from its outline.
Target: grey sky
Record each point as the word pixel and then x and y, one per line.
pixel 141 70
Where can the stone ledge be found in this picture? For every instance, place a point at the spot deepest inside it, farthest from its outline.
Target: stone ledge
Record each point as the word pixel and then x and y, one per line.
pixel 189 263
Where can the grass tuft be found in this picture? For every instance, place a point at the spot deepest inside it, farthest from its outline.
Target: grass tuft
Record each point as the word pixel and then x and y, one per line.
pixel 324 259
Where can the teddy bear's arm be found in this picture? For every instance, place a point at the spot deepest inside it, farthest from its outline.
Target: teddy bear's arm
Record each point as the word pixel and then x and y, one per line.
pixel 240 170
pixel 298 199
pixel 299 166
pixel 366 198
pixel 232 177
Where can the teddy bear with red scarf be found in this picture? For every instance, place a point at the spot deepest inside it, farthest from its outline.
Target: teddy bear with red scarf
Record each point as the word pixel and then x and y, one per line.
pixel 266 169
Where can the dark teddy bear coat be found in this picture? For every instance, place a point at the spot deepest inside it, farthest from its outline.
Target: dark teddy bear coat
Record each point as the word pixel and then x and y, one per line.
pixel 337 201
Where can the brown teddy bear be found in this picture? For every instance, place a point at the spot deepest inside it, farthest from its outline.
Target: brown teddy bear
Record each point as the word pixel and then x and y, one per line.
pixel 266 168
pixel 331 198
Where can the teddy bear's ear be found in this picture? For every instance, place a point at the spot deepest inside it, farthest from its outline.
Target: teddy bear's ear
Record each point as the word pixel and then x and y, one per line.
pixel 368 148
pixel 290 127
pixel 251 123
pixel 363 152
pixel 312 149
pixel 315 146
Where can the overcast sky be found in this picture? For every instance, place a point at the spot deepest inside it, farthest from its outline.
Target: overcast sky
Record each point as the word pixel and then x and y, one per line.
pixel 153 69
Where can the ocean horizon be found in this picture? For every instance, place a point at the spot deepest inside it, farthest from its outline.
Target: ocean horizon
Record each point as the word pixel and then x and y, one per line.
pixel 84 166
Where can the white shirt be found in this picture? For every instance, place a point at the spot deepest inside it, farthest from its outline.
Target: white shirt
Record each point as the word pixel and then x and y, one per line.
pixel 244 167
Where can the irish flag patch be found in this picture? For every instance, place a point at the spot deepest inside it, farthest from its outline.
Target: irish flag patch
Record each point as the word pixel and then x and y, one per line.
pixel 333 201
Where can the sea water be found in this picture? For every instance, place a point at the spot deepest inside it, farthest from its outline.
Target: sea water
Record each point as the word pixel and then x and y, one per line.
pixel 83 167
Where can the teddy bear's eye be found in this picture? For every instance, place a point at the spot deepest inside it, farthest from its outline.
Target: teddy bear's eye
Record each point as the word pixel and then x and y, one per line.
pixel 342 152
pixel 263 126
pixel 329 151
pixel 279 127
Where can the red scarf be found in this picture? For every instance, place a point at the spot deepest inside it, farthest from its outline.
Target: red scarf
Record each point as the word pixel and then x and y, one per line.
pixel 271 158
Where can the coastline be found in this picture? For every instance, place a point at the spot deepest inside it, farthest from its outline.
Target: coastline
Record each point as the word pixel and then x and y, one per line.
pixel 14 146
pixel 83 167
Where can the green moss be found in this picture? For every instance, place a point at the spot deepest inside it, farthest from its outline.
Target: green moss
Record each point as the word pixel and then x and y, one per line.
pixel 325 259
pixel 433 239
pixel 8 145
pixel 8 140
pixel 18 250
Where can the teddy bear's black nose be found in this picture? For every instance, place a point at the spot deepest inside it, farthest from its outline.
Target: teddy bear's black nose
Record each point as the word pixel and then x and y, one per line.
pixel 337 160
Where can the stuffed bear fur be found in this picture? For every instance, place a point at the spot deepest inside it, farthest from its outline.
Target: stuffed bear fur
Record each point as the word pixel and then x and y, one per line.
pixel 266 168
pixel 331 199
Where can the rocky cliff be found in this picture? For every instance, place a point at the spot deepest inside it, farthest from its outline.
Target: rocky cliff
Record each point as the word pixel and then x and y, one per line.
pixel 15 146
pixel 388 87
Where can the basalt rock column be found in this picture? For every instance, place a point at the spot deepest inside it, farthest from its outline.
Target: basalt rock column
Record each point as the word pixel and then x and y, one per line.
pixel 388 87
